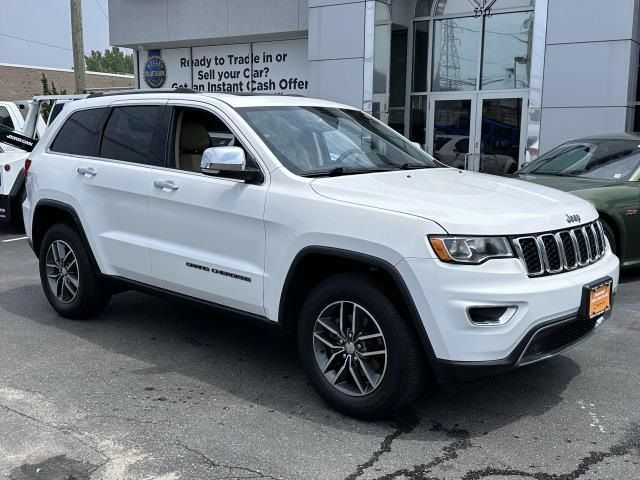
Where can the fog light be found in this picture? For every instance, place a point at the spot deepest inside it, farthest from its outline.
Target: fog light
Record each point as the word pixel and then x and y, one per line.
pixel 491 316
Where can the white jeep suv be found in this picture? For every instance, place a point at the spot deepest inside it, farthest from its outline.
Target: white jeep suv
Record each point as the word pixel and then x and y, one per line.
pixel 316 217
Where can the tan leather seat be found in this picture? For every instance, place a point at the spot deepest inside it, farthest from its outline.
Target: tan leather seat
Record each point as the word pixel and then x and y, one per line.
pixel 194 140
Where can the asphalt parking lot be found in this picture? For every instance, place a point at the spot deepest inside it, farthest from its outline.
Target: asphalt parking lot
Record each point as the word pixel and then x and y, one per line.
pixel 157 390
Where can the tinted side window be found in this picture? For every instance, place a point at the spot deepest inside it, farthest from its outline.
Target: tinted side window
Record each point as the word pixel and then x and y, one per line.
pixel 5 118
pixel 196 130
pixel 134 134
pixel 80 134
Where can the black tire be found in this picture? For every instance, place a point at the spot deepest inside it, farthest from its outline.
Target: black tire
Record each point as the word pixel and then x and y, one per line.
pixel 405 374
pixel 92 295
pixel 611 236
pixel 17 220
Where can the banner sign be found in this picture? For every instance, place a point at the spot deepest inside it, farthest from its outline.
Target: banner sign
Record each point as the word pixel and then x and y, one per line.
pixel 279 67
pixel 222 69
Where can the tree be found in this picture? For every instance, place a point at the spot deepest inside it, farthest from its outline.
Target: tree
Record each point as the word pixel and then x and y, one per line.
pixel 45 109
pixel 112 61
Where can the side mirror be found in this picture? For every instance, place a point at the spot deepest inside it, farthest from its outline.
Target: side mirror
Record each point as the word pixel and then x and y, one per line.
pixel 417 145
pixel 228 162
pixel 223 159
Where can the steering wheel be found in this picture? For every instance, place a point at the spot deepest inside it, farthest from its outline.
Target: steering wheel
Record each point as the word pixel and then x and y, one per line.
pixel 348 153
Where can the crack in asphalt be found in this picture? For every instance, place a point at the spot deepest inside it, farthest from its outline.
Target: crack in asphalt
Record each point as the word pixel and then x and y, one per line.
pixel 407 424
pixel 629 445
pixel 404 424
pixel 213 464
pixel 65 430
pixel 419 472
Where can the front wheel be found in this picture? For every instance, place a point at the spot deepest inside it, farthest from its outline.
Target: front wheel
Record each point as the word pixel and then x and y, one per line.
pixel 70 281
pixel 360 354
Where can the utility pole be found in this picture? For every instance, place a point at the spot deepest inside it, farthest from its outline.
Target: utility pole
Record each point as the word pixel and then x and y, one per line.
pixel 78 45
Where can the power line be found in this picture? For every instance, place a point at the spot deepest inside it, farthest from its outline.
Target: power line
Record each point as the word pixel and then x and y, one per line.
pixel 38 43
pixel 34 41
pixel 102 9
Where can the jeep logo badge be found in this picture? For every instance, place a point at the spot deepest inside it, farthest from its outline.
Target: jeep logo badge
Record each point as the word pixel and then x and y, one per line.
pixel 573 218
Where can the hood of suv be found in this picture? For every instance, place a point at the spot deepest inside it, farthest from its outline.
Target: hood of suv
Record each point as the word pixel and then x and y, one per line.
pixel 461 202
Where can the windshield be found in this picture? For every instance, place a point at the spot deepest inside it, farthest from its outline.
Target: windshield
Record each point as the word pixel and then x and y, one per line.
pixel 615 160
pixel 316 141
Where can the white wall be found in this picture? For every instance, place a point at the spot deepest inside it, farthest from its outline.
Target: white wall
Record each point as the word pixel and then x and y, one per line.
pixel 336 50
pixel 147 22
pixel 341 50
pixel 590 69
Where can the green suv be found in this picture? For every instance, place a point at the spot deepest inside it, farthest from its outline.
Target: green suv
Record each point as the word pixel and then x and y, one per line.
pixel 605 170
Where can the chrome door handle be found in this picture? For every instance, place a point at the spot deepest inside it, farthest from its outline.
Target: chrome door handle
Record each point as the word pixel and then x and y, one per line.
pixel 166 185
pixel 87 171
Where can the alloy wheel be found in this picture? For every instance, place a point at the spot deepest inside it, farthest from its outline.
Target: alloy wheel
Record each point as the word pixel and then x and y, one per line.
pixel 350 348
pixel 62 271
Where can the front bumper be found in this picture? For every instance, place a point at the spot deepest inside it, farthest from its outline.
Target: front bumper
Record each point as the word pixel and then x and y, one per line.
pixel 443 294
pixel 541 342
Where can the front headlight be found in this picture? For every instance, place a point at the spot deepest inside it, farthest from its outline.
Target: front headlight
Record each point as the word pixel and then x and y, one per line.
pixel 470 250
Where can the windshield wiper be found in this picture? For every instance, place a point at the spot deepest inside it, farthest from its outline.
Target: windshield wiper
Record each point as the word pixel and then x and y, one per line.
pixel 410 166
pixel 339 171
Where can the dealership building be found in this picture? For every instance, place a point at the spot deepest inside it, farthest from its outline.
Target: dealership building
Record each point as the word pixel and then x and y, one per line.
pixel 484 83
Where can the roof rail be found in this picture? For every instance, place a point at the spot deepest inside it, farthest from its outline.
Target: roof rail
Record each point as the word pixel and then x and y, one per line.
pixel 138 91
pixel 43 98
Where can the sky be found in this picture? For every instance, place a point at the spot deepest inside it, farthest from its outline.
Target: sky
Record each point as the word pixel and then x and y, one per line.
pixel 38 32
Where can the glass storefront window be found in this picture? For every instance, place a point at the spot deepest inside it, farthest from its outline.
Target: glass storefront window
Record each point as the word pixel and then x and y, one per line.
pixel 500 135
pixel 423 8
pixel 455 57
pixel 381 58
pixel 454 7
pixel 506 59
pixel 418 119
pixel 398 78
pixel 420 56
pixel 463 7
pixel 513 4
pixel 396 119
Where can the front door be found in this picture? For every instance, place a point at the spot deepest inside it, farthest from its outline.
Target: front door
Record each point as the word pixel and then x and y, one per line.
pixel 480 132
pixel 500 141
pixel 207 234
pixel 451 130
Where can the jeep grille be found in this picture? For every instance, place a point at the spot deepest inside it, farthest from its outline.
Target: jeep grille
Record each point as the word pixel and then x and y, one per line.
pixel 562 251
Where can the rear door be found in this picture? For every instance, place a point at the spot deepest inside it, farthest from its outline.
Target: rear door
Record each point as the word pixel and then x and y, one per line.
pixel 113 186
pixel 207 233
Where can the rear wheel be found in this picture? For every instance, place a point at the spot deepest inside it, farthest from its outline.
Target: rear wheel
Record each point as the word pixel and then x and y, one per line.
pixel 361 356
pixel 70 282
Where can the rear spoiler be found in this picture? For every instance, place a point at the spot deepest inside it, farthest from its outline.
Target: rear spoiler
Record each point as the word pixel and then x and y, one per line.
pixel 16 139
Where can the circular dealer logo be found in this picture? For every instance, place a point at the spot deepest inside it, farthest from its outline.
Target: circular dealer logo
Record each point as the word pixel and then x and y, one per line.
pixel 155 72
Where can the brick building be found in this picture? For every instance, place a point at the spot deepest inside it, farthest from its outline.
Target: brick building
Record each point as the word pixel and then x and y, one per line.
pixel 21 82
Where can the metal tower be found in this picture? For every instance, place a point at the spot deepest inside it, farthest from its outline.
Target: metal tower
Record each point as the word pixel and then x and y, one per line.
pixel 449 72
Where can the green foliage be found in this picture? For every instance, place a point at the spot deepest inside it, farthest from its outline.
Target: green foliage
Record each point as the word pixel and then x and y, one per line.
pixel 46 90
pixel 112 61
